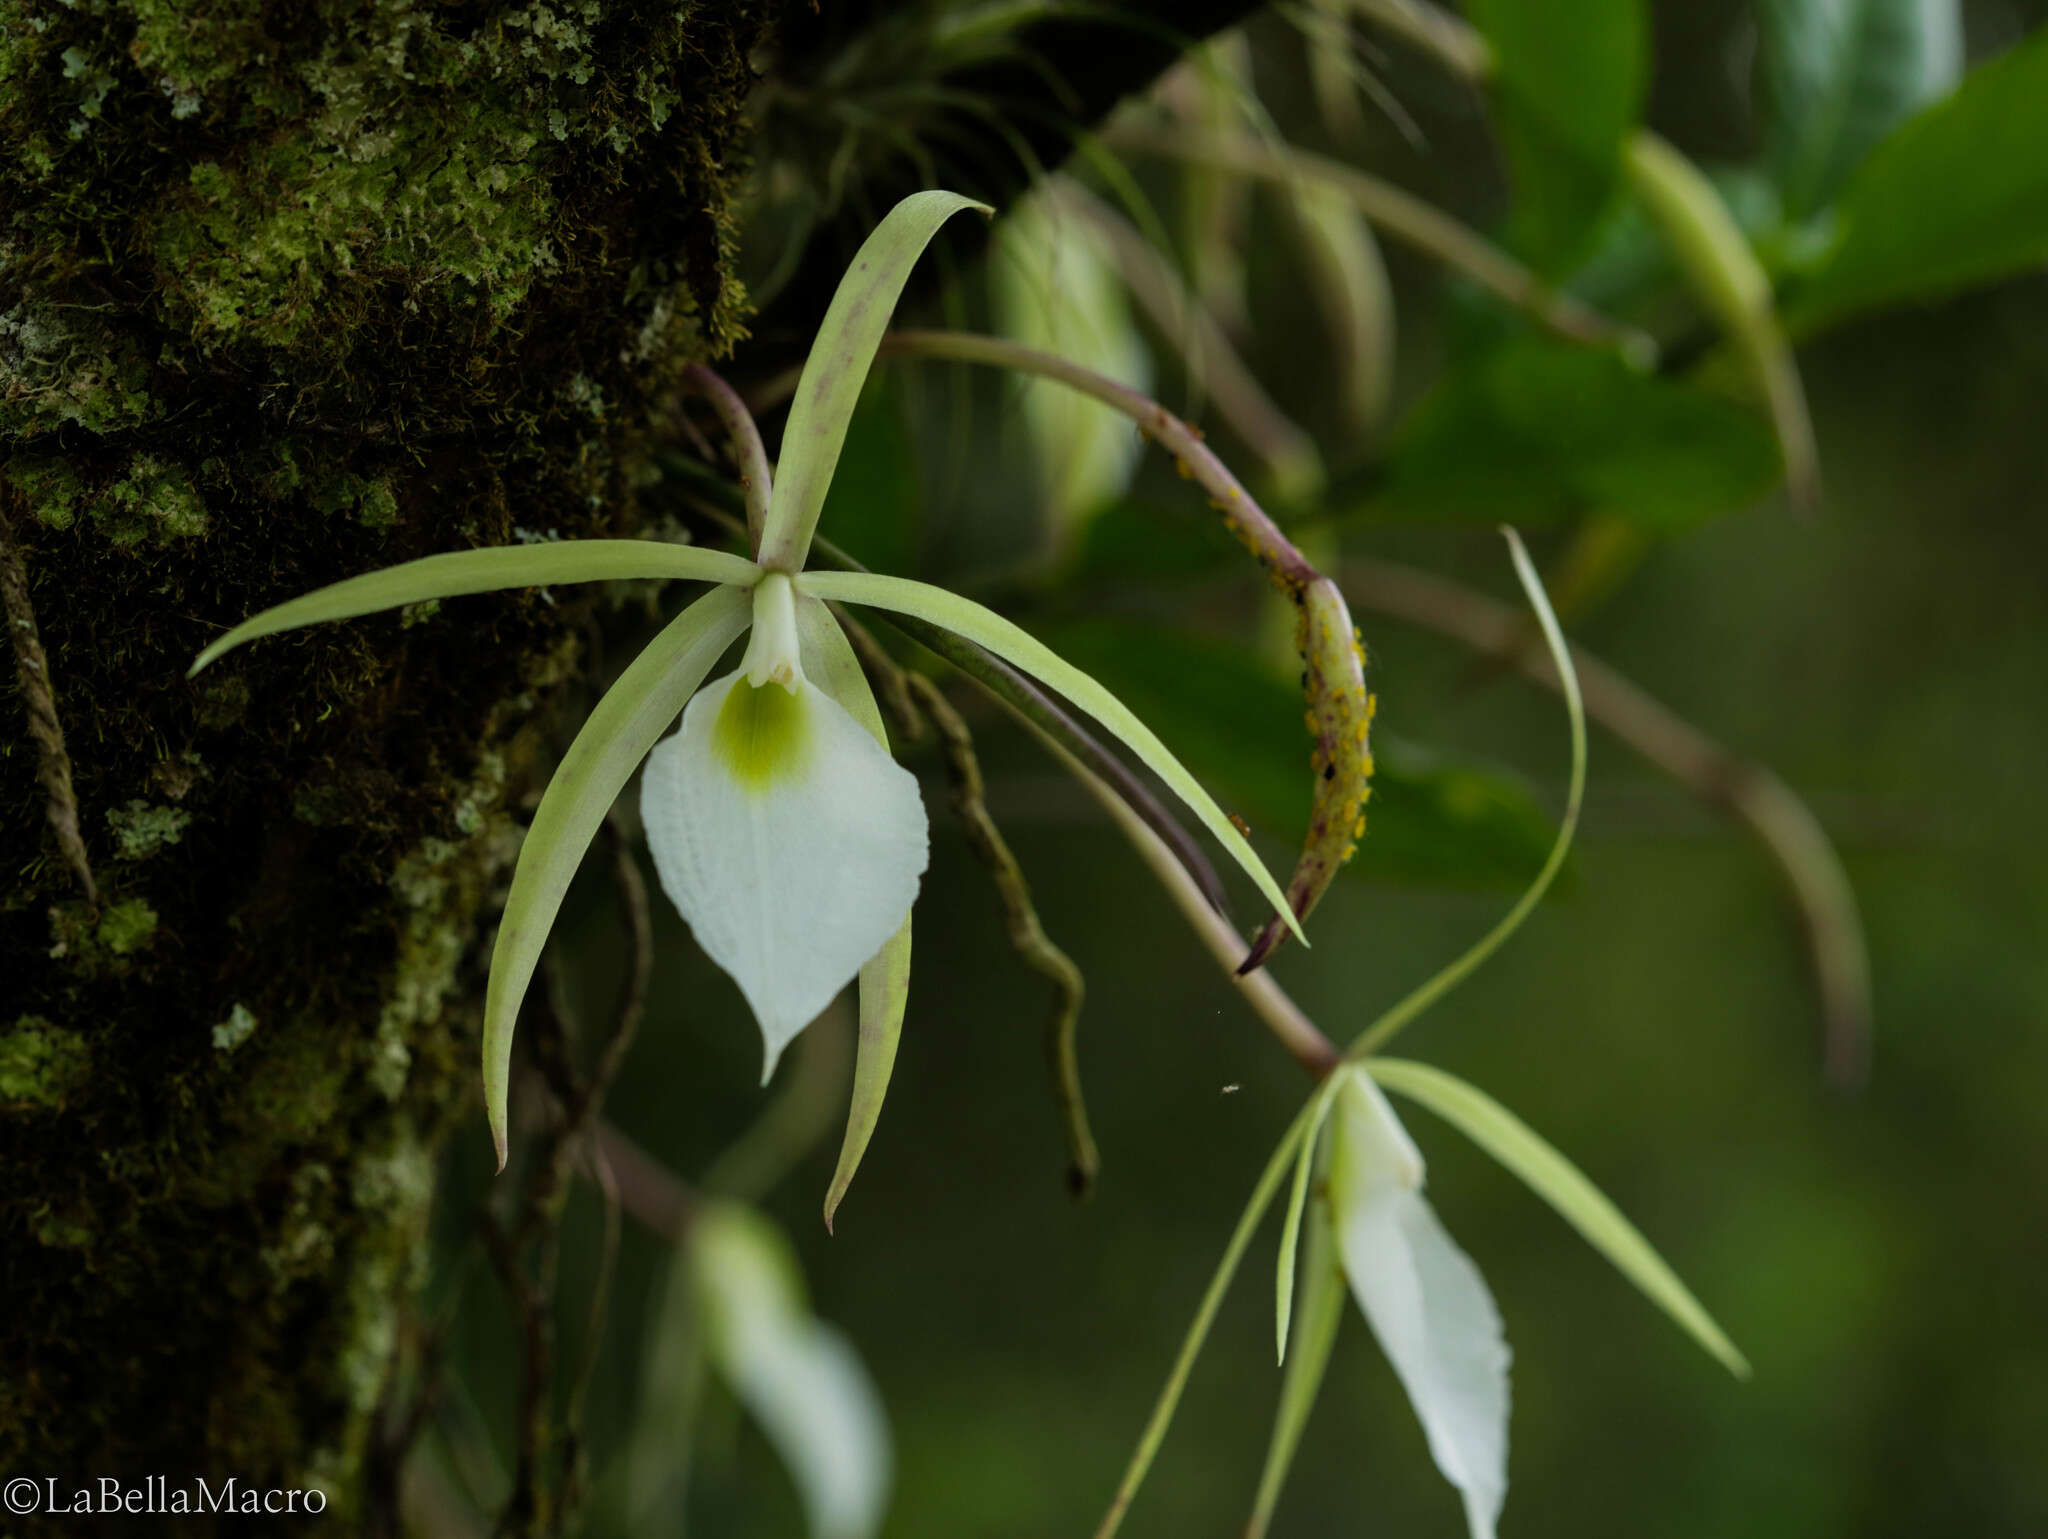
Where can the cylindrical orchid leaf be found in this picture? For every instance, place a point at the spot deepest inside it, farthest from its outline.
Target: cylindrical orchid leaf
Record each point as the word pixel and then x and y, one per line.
pixel 985 628
pixel 838 365
pixel 1715 256
pixel 458 572
pixel 634 712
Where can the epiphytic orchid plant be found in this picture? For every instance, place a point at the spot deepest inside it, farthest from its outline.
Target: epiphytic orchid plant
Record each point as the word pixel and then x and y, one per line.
pixel 782 830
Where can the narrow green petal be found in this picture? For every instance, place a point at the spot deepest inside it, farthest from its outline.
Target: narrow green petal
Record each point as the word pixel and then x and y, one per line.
pixel 457 572
pixel 634 712
pixel 885 979
pixel 884 991
pixel 838 366
pixel 985 628
pixel 1561 1184
pixel 1315 1333
pixel 1290 1231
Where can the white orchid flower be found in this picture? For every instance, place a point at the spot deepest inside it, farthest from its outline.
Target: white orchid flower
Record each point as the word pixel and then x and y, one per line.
pixel 1422 1296
pixel 782 829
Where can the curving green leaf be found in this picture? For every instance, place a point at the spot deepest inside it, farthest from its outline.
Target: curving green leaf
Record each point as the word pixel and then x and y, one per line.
pixel 1837 75
pixel 1561 1184
pixel 838 366
pixel 1570 76
pixel 830 662
pixel 1290 1228
pixel 1020 649
pixel 625 724
pixel 1955 196
pixel 1714 254
pixel 458 572
pixel 1455 972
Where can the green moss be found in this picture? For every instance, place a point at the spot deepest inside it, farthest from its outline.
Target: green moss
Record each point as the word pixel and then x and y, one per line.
pixel 62 367
pixel 155 501
pixel 141 830
pixel 41 1065
pixel 65 1229
pixel 50 487
pixel 370 501
pixel 127 927
pixel 238 1028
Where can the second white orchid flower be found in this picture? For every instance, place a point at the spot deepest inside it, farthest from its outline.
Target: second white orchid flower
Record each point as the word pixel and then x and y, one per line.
pixel 781 827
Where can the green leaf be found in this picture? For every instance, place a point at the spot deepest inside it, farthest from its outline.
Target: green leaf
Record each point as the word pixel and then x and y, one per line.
pixel 1537 431
pixel 626 723
pixel 482 571
pixel 838 366
pixel 1954 197
pixel 1729 279
pixel 1315 1333
pixel 830 662
pixel 985 628
pixel 1570 76
pixel 1433 818
pixel 1558 1182
pixel 1836 76
pixel 1290 1227
pixel 799 1379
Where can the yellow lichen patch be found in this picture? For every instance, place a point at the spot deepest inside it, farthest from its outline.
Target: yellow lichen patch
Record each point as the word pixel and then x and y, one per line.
pixel 762 734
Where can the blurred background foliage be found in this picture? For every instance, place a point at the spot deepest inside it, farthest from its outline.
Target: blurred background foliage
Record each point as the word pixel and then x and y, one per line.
pixel 1878 1248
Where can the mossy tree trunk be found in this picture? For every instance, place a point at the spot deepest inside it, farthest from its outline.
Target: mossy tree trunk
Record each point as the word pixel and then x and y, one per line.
pixel 290 289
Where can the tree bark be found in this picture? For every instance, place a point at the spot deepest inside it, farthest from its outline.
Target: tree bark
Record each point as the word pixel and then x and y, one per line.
pixel 289 291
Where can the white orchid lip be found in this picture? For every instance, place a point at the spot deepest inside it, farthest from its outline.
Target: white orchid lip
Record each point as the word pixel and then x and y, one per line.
pixel 784 833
